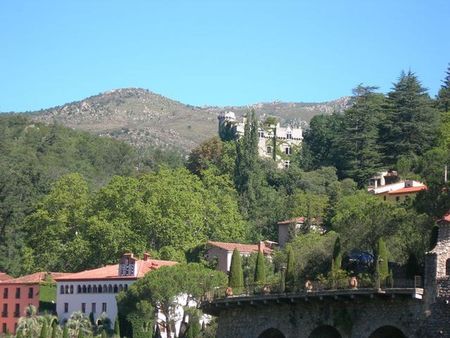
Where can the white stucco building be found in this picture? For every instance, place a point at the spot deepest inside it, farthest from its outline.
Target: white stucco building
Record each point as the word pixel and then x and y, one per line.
pixel 286 139
pixel 94 291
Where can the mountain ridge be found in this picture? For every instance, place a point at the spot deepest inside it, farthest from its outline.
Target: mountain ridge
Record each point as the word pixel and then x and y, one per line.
pixel 141 117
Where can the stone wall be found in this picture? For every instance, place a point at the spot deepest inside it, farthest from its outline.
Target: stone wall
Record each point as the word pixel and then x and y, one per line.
pixel 353 318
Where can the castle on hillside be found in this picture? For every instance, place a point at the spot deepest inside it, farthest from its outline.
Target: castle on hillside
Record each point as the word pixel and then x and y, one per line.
pixel 274 142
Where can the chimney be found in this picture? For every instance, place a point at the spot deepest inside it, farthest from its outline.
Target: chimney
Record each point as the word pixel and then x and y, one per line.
pixel 261 246
pixel 146 256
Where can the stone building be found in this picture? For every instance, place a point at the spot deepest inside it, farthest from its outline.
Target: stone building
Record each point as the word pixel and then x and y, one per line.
pixel 274 141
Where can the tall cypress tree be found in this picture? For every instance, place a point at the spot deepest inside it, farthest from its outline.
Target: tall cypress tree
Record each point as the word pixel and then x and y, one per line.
pixel 290 269
pixel 236 276
pixel 382 260
pixel 260 269
pixel 337 256
pixel 410 126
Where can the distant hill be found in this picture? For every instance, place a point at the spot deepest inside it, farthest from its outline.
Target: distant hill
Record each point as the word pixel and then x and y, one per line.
pixel 143 118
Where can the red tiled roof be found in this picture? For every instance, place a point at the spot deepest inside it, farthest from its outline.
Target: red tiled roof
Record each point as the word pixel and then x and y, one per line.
pixel 4 276
pixel 242 248
pixel 34 278
pixel 112 271
pixel 446 218
pixel 301 220
pixel 408 190
pixel 292 221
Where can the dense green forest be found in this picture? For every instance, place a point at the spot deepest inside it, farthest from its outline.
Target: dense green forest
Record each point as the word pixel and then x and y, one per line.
pixel 71 201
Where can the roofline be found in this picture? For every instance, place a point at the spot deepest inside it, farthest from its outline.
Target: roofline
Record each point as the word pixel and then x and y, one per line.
pixel 121 278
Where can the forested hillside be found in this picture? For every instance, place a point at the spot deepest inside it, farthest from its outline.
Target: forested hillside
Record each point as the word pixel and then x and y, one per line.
pixel 34 155
pixel 72 201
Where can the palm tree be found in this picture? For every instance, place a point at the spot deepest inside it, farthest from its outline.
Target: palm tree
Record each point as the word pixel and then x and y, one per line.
pixel 29 325
pixel 77 322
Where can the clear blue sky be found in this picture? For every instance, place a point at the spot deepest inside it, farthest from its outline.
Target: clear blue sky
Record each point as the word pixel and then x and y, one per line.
pixel 213 52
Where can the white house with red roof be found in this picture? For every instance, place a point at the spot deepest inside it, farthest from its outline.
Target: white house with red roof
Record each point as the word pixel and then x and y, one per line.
pixel 223 251
pixel 94 291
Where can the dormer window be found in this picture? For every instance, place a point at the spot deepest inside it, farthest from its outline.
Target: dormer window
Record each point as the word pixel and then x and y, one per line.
pixel 261 134
pixel 289 135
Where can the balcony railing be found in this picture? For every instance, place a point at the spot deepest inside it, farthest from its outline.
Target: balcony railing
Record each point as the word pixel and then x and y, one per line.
pixel 4 314
pixel 311 287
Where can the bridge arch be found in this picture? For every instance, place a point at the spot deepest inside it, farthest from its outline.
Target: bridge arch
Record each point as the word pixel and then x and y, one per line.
pixel 272 333
pixel 325 331
pixel 387 331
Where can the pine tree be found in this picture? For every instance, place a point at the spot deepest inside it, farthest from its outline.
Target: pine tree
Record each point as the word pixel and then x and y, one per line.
pixel 260 269
pixel 410 125
pixel 236 277
pixel 382 260
pixel 443 97
pixel 44 333
pixel 358 151
pixel 290 269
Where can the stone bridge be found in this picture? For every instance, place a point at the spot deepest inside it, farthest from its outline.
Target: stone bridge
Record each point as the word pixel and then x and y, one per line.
pixel 353 313
pixel 367 313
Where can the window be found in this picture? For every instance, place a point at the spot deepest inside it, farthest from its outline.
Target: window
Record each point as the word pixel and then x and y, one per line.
pixel 83 307
pixel 286 164
pixel 71 289
pixel 447 267
pixel 116 289
pixel 79 288
pixel 66 307
pixel 288 150
pixel 5 293
pixel 104 307
pixel 66 289
pixel 17 293
pixel 4 328
pixel 261 134
pixel 30 293
pixel 17 311
pixel 269 150
pixel 289 135
pixel 93 308
pixel 61 289
pixel 397 198
pixel 5 310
